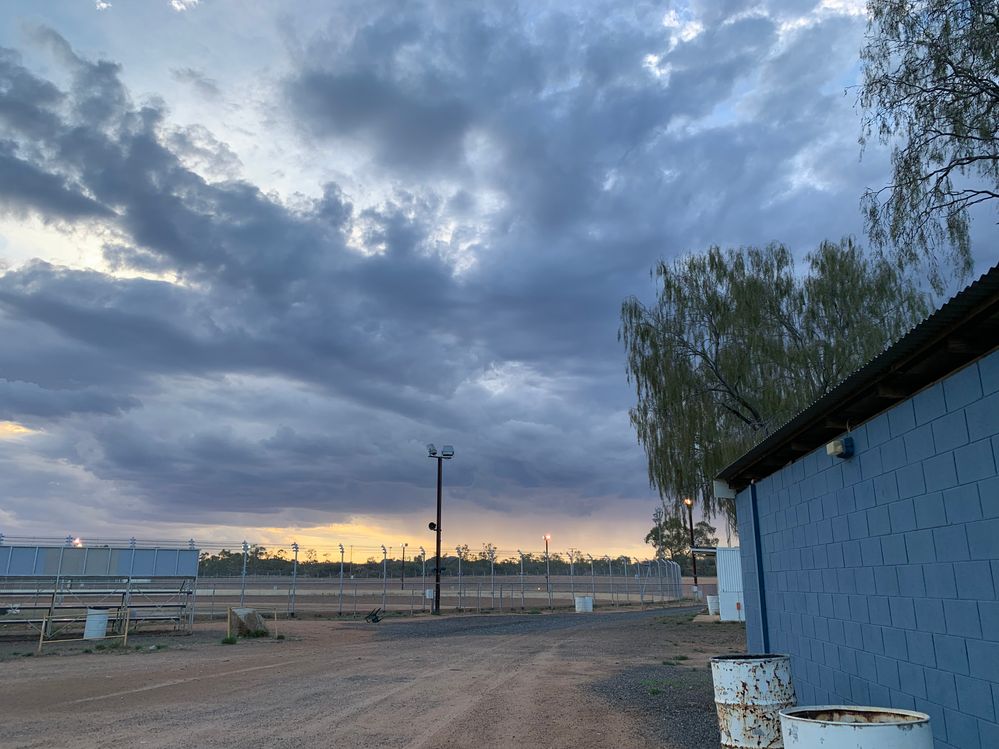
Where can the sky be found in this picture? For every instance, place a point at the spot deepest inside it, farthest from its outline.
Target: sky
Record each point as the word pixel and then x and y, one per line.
pixel 255 255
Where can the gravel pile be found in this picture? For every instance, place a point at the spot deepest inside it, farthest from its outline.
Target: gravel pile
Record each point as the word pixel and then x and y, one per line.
pixel 674 703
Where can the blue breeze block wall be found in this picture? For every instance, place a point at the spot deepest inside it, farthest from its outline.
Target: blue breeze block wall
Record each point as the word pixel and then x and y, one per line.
pixel 881 572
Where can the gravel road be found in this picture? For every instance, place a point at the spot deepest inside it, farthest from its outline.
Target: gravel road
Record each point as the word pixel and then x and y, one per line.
pixel 559 680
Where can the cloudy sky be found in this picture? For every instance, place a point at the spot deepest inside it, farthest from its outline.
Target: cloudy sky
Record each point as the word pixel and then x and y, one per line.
pixel 253 256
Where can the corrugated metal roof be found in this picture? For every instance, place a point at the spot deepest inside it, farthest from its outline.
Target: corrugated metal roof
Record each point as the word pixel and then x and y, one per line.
pixel 962 330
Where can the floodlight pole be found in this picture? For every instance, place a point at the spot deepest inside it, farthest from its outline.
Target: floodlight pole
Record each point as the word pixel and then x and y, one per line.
pixel 294 580
pixel 340 609
pixel 423 558
pixel 610 575
pixel 384 574
pixel 572 573
pixel 242 590
pixel 693 558
pixel 522 605
pixel 437 567
pixel 402 585
pixel 548 571
pixel 593 579
pixel 446 453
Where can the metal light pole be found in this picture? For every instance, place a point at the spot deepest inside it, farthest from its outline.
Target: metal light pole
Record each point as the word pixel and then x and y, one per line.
pixel 548 570
pixel 446 453
pixel 423 558
pixel 522 605
pixel 294 579
pixel 690 514
pixel 460 591
pixel 610 575
pixel 572 573
pixel 402 585
pixel 492 572
pixel 340 612
pixel 593 579
pixel 384 574
pixel 242 590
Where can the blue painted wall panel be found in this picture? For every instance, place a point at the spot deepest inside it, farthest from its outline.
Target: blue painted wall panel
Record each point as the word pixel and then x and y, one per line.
pixel 882 571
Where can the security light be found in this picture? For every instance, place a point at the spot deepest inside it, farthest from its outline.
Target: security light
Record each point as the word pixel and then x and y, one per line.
pixel 447 451
pixel 431 450
pixel 842 448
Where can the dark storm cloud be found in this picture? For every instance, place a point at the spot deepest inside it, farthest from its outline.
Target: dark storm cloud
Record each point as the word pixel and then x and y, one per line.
pixel 21 401
pixel 566 152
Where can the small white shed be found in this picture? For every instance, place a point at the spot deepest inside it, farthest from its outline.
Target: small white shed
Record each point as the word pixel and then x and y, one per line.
pixel 730 601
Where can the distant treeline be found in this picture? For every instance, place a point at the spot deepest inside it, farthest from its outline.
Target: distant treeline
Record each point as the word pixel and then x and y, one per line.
pixel 261 561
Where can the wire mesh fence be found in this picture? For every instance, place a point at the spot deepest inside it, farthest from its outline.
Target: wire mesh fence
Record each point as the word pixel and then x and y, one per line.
pixel 348 581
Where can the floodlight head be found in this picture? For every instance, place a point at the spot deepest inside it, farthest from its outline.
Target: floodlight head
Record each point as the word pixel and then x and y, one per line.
pixel 688 501
pixel 547 537
pixel 431 450
pixel 341 548
pixel 447 451
pixel 384 550
pixel 422 550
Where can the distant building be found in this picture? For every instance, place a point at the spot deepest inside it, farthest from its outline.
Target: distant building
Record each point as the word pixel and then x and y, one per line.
pixel 879 573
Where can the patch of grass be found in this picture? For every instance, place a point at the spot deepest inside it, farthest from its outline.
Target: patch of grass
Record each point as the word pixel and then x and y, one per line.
pixel 87 650
pixel 656 686
pixel 278 637
pixel 230 640
pixel 27 655
pixel 100 647
pixel 681 658
pixel 258 633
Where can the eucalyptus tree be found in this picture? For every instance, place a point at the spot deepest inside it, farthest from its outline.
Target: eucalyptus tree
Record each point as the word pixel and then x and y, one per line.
pixel 737 341
pixel 931 90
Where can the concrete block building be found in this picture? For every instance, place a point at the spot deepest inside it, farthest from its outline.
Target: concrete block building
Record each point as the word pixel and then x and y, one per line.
pixel 879 572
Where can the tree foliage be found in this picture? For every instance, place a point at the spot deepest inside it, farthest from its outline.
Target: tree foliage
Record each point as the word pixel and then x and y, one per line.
pixel 670 536
pixel 738 341
pixel 931 89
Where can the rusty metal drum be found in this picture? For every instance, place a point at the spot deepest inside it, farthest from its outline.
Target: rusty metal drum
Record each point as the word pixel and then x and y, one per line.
pixel 750 692
pixel 852 727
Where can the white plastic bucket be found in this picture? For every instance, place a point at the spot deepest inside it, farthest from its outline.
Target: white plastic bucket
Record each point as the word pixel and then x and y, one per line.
pixel 849 727
pixel 712 605
pixel 584 604
pixel 96 626
pixel 750 692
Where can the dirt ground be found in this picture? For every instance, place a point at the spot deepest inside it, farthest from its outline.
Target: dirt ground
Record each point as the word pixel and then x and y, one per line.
pixel 488 681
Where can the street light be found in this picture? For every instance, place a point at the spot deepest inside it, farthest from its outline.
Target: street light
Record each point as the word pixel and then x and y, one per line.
pixel 446 453
pixel 294 580
pixel 384 574
pixel 521 578
pixel 423 558
pixel 593 579
pixel 693 559
pixel 340 607
pixel 402 585
pixel 548 570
